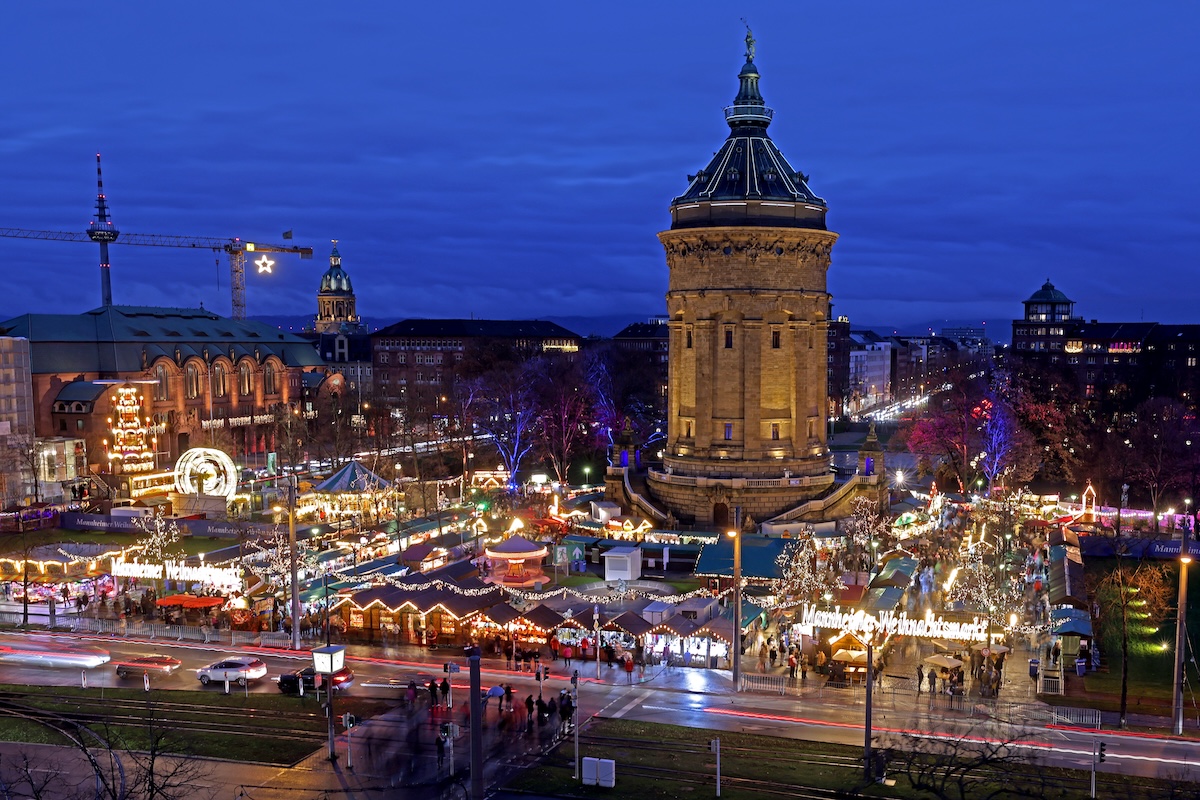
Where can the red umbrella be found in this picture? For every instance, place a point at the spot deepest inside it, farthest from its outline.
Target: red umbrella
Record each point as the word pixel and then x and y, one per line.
pixel 174 600
pixel 204 602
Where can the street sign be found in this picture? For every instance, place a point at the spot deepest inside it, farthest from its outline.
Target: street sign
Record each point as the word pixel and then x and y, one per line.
pixel 451 668
pixel 577 554
pixel 560 555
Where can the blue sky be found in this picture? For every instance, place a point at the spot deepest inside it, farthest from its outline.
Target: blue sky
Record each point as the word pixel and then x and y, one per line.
pixel 517 159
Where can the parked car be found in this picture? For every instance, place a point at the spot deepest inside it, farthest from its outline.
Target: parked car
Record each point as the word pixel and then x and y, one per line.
pixel 241 669
pixel 159 665
pixel 289 682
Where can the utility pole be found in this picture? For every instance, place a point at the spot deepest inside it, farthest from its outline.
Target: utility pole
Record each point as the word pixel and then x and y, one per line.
pixel 294 565
pixel 735 658
pixel 476 729
pixel 867 767
pixel 1185 558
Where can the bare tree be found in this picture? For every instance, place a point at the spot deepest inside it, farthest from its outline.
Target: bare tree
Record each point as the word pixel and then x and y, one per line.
pixel 868 532
pixel 975 765
pixel 161 767
pixel 983 584
pixel 26 777
pixel 566 403
pixel 1157 453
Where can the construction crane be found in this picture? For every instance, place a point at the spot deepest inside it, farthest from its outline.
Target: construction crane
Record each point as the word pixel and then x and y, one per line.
pixel 102 231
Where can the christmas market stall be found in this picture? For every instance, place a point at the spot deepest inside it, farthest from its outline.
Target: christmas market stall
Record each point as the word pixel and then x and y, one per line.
pixel 623 634
pixel 718 633
pixel 434 613
pixel 674 641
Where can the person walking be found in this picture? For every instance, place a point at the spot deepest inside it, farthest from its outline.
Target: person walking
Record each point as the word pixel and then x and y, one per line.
pixel 629 667
pixel 528 713
pixel 932 681
pixel 554 646
pixel 441 752
pixel 445 692
pixel 551 710
pixel 567 652
pixel 762 658
pixel 508 697
pixel 410 695
pixel 920 678
pixel 774 656
pixel 433 693
pixel 793 664
pixel 541 711
pixel 804 666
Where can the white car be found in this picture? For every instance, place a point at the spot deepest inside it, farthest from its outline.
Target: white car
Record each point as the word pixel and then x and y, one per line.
pixel 239 669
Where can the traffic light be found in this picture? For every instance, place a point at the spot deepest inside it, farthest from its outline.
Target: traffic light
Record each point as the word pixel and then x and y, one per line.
pixel 575 678
pixel 349 720
pixel 1103 747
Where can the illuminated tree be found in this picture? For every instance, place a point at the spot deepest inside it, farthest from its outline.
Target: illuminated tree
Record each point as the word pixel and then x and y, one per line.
pixel 1134 595
pixel 868 534
pixel 566 404
pixel 161 538
pixel 986 588
pixel 510 414
pixel 1005 447
pixel 805 573
pixel 270 558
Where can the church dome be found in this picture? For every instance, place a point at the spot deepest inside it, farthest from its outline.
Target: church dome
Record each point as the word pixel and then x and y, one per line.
pixel 335 280
pixel 1048 294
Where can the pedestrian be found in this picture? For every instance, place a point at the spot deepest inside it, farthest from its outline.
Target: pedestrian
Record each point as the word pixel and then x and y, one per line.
pixel 567 652
pixel 541 711
pixel 804 666
pixel 441 751
pixel 529 713
pixel 554 645
pixel 774 656
pixel 551 710
pixel 932 681
pixel 508 655
pixel 584 646
pixel 433 693
pixel 565 708
pixel 762 658
pixel 410 696
pixel 793 664
pixel 920 678
pixel 445 692
pixel 508 697
pixel 629 667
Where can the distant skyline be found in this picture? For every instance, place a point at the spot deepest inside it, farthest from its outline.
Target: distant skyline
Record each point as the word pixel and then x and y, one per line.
pixel 517 160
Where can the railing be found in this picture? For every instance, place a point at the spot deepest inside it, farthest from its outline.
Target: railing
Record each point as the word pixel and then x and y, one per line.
pixel 776 684
pixel 814 508
pixel 1049 684
pixel 1081 717
pixel 742 483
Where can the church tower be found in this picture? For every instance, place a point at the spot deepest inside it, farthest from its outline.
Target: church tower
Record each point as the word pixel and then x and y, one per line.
pixel 335 299
pixel 747 254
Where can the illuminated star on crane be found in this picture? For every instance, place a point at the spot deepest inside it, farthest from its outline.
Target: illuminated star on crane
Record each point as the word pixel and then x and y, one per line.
pixel 264 264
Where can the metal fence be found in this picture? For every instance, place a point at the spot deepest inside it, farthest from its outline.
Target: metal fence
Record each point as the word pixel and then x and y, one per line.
pixel 776 684
pixel 1081 717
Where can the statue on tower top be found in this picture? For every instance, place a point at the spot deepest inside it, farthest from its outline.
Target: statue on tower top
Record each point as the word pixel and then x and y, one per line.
pixel 749 41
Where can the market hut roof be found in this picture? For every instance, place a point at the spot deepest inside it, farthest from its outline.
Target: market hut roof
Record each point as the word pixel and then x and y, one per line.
pixel 501 614
pixel 758 558
pixel 717 628
pixel 543 617
pixel 631 622
pixel 680 626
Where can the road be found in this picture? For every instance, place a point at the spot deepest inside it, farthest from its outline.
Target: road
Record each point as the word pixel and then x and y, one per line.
pixel 695 698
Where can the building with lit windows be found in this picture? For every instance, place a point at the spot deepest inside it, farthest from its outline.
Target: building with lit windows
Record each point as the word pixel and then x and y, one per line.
pixel 196 378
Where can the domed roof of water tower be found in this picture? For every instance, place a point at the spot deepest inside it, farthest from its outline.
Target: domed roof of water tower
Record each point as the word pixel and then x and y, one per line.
pixel 335 280
pixel 748 181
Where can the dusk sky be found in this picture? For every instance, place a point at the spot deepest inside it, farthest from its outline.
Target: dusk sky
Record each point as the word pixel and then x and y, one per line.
pixel 517 159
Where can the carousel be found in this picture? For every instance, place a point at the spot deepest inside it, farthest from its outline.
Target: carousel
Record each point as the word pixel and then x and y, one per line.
pixel 516 562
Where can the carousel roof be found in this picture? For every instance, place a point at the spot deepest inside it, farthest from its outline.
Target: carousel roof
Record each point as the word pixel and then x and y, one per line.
pixel 353 477
pixel 517 545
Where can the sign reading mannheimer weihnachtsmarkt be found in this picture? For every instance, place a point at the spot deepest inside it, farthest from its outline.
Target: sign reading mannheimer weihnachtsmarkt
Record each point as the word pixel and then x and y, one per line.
pixel 930 626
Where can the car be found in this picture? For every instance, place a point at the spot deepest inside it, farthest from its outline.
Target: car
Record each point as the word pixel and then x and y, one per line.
pixel 289 682
pixel 160 665
pixel 50 655
pixel 240 669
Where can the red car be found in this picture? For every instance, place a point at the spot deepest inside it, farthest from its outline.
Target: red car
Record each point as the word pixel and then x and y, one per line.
pixel 159 665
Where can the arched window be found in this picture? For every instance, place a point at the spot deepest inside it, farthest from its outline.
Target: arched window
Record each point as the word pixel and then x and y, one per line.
pixel 218 380
pixel 162 388
pixel 191 381
pixel 269 385
pixel 245 380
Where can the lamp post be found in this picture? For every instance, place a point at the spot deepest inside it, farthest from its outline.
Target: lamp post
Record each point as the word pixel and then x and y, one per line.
pixel 326 661
pixel 736 658
pixel 294 564
pixel 587 471
pixel 1180 635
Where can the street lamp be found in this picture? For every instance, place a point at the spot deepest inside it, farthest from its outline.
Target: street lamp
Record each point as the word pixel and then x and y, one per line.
pixel 736 658
pixel 1185 558
pixel 587 471
pixel 326 661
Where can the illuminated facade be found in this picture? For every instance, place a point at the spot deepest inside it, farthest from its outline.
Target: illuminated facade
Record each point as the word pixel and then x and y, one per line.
pixel 747 253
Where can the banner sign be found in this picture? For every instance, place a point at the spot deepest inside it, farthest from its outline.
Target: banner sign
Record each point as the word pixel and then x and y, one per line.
pixel 211 528
pixel 226 577
pixel 891 623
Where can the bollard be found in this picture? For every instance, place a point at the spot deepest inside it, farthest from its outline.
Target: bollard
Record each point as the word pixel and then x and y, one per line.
pixel 146 681
pixel 83 678
pixel 227 686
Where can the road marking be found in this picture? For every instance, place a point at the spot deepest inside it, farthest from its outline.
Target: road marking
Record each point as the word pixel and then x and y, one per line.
pixel 627 707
